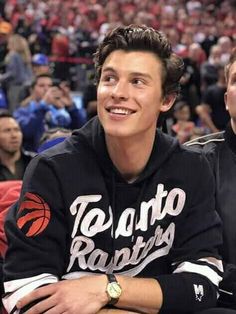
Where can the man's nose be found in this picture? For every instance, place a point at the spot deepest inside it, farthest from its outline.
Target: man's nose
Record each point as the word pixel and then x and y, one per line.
pixel 14 133
pixel 120 91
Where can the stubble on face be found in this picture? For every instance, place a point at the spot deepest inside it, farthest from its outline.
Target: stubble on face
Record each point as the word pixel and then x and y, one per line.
pixel 10 137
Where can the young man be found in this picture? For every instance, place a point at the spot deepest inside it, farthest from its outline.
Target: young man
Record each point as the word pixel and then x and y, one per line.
pixel 119 210
pixel 13 159
pixel 220 149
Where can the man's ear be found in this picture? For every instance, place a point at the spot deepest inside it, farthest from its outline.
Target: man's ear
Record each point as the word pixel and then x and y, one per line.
pixel 168 102
pixel 225 99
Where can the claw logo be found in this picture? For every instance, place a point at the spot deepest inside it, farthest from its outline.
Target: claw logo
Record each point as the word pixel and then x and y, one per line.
pixel 35 214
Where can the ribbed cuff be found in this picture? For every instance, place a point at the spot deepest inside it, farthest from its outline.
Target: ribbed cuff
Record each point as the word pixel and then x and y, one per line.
pixel 187 292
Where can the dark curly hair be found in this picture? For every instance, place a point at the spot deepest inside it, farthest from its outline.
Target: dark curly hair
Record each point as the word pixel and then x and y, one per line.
pixel 143 38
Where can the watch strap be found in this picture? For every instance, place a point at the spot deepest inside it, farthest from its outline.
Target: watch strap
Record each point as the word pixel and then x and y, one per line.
pixel 111 278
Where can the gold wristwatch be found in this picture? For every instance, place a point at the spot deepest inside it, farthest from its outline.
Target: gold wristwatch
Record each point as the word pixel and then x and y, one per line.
pixel 113 289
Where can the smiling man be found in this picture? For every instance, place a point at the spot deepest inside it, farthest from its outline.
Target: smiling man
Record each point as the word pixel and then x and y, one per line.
pixel 118 218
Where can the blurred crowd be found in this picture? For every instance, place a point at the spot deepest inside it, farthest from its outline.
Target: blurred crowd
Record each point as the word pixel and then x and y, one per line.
pixel 46 52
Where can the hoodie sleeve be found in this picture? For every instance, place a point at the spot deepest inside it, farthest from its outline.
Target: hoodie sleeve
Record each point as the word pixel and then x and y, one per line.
pixel 197 267
pixel 78 117
pixel 30 229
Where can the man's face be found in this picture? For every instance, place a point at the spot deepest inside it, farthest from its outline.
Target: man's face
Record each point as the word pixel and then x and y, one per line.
pixel 230 95
pixel 130 94
pixel 41 87
pixel 40 69
pixel 183 114
pixel 10 135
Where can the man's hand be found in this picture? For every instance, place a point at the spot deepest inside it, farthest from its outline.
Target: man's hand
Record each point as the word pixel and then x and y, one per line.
pixel 116 311
pixel 66 97
pixel 86 295
pixel 53 96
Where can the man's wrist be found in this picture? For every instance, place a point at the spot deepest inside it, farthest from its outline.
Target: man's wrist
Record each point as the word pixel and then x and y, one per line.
pixel 104 296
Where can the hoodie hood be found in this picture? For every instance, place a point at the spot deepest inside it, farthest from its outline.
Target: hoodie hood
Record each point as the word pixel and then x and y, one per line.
pixel 92 134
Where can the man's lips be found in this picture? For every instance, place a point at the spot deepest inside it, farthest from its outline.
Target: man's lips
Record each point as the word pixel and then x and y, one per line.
pixel 120 110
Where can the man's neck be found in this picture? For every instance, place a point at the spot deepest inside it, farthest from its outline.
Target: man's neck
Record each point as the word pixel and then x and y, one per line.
pixel 233 124
pixel 130 156
pixel 9 159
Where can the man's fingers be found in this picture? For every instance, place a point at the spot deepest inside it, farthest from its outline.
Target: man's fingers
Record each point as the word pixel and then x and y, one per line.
pixel 56 310
pixel 37 294
pixel 43 307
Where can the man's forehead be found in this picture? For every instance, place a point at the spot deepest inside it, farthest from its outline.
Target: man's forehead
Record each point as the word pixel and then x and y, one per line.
pixel 131 60
pixel 8 122
pixel 44 80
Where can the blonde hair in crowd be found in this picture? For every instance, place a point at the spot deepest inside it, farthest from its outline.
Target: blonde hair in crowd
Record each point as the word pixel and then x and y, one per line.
pixel 20 45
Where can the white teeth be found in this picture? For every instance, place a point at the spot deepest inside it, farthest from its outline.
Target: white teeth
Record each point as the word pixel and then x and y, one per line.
pixel 120 111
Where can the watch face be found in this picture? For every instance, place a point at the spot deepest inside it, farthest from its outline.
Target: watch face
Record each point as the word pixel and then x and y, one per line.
pixel 114 290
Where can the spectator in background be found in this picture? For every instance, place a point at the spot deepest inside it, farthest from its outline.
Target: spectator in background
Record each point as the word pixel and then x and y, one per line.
pixel 90 98
pixel 220 149
pixel 13 159
pixel 17 69
pixel 225 44
pixel 183 127
pixel 60 54
pixel 191 80
pixel 40 65
pixel 5 31
pixel 209 73
pixel 49 105
pixel 212 112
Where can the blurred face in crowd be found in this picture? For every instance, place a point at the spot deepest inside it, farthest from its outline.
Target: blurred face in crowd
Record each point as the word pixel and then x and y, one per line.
pixel 183 114
pixel 230 95
pixel 41 87
pixel 215 54
pixel 40 69
pixel 130 95
pixel 10 135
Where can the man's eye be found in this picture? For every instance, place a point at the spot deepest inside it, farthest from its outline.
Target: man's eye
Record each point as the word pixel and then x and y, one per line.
pixel 233 81
pixel 108 78
pixel 137 81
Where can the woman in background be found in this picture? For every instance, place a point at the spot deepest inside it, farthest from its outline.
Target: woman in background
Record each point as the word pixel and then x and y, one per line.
pixel 17 69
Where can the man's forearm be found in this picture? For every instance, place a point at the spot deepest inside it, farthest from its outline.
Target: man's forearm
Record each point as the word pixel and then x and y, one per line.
pixel 140 294
pixel 116 311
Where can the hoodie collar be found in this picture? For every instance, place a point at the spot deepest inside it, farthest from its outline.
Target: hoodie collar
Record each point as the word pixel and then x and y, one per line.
pixel 93 134
pixel 230 138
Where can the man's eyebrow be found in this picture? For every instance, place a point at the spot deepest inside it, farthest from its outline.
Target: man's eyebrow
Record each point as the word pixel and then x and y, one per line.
pixel 141 74
pixel 108 69
pixel 133 74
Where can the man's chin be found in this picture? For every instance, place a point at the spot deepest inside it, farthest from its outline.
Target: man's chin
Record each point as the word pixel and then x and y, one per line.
pixel 12 151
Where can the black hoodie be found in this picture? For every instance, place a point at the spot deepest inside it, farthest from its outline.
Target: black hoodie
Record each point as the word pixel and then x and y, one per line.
pixel 77 215
pixel 220 149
